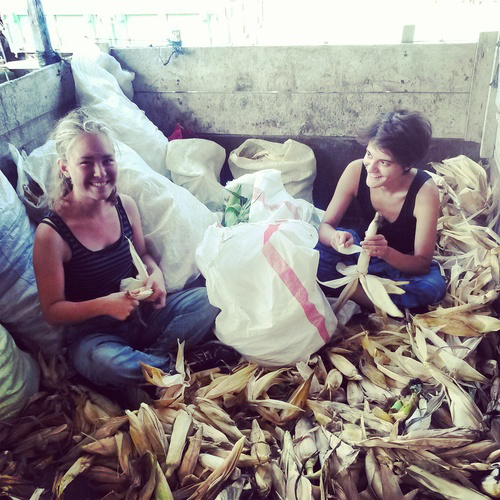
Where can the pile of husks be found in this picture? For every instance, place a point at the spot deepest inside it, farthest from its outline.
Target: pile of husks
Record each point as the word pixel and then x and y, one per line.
pixel 390 409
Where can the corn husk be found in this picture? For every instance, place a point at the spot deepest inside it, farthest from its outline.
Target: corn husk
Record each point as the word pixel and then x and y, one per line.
pixel 425 423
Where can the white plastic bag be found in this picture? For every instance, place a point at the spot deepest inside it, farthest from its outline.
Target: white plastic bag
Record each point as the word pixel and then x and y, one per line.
pixel 19 376
pixel 263 278
pixel 33 178
pixel 196 165
pixel 270 200
pixel 294 160
pixel 99 91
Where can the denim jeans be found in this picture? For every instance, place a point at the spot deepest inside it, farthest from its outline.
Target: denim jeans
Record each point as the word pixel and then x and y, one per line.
pixel 108 352
pixel 422 290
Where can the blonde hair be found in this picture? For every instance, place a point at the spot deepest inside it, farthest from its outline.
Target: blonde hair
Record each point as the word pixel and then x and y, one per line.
pixel 67 129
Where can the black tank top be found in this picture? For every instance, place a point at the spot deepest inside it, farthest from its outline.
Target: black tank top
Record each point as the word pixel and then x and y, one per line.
pixel 399 234
pixel 89 274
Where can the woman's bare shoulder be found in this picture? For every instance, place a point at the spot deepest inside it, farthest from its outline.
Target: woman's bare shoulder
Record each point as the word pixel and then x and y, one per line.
pixel 50 242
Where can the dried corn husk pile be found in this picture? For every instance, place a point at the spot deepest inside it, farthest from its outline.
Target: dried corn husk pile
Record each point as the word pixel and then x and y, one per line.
pixel 406 408
pixel 469 249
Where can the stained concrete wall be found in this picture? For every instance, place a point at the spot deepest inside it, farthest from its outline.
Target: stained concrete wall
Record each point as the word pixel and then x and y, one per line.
pixel 313 91
pixel 317 95
pixel 30 106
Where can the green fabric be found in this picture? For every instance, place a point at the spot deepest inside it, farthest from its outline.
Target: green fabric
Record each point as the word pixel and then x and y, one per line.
pixel 19 376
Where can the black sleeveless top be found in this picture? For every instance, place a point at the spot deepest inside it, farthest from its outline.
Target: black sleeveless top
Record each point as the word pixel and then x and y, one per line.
pixel 89 274
pixel 399 234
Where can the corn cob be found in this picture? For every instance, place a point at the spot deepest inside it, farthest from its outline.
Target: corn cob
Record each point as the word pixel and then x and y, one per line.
pixel 342 364
pixel 354 393
pixel 305 447
pixel 182 427
pixel 190 458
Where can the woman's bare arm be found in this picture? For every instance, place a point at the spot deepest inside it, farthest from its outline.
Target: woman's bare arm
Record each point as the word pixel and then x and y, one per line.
pixel 344 193
pixel 156 281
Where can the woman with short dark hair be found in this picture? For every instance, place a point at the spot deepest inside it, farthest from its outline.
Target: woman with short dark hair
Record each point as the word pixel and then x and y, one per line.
pixel 386 181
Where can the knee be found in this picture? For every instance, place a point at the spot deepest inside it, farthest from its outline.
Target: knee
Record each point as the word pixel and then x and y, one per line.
pixel 106 366
pixel 199 303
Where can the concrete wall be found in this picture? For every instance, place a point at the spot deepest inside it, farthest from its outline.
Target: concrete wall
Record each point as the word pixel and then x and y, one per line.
pixel 313 91
pixel 317 95
pixel 30 105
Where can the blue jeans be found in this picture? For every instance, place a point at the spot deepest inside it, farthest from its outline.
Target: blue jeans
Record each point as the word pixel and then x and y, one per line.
pixel 108 352
pixel 422 290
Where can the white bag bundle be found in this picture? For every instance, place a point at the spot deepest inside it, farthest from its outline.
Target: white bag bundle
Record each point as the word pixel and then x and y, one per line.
pixel 33 177
pixel 195 164
pixel 294 160
pixel 263 278
pixel 19 305
pixel 269 199
pixel 19 376
pixel 99 91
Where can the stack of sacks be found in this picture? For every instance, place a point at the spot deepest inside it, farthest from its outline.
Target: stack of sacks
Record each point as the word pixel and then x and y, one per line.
pixel 97 86
pixel 20 309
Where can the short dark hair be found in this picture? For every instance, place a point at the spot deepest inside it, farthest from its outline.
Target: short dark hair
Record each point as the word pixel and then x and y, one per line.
pixel 406 135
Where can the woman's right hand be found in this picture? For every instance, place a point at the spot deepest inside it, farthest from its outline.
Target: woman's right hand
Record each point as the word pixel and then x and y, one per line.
pixel 341 238
pixel 120 305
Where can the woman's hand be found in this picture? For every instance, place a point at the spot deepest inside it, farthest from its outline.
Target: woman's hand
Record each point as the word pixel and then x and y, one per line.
pixel 119 305
pixel 157 284
pixel 341 238
pixel 376 246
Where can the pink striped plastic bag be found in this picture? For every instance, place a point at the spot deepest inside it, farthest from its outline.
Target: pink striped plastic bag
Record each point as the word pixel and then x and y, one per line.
pixel 263 278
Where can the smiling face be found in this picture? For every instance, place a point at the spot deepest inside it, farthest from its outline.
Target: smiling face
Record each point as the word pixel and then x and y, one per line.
pixel 381 168
pixel 91 167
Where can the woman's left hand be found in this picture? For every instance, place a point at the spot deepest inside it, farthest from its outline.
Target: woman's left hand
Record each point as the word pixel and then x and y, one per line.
pixel 376 246
pixel 157 284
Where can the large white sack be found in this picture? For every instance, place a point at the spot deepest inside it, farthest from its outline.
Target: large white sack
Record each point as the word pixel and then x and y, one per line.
pixel 196 165
pixel 19 376
pixel 295 161
pixel 173 220
pixel 98 90
pixel 263 278
pixel 19 304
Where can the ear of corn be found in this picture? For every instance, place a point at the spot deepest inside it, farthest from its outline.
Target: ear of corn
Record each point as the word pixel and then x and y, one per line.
pixel 190 458
pixel 162 489
pixel 344 366
pixel 135 286
pixel 182 427
pixel 376 289
pixel 81 465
